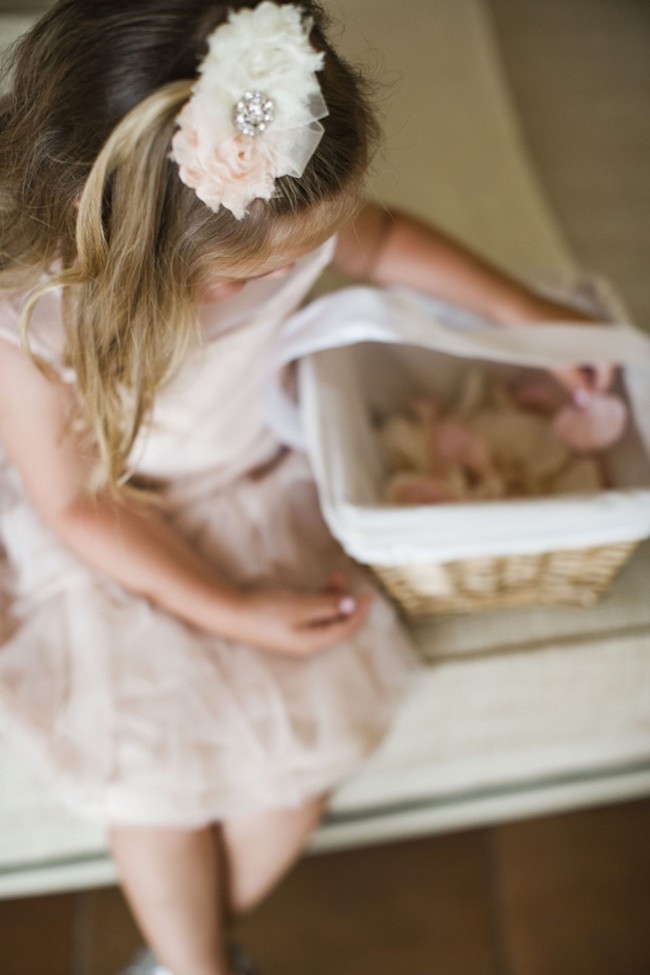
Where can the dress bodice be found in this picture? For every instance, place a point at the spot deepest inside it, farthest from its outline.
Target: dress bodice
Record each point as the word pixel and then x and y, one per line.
pixel 209 417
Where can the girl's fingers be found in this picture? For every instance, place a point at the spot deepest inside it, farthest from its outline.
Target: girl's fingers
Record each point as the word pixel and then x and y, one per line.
pixel 321 610
pixel 338 582
pixel 337 601
pixel 570 379
pixel 592 379
pixel 567 375
pixel 603 377
pixel 321 637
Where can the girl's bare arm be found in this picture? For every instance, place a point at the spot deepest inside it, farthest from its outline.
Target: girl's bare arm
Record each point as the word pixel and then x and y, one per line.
pixel 132 542
pixel 389 247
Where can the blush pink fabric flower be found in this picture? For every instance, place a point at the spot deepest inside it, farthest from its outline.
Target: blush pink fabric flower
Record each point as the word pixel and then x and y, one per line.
pixel 227 173
pixel 261 53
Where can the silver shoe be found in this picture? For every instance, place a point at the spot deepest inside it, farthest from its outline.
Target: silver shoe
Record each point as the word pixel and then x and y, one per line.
pixel 239 962
pixel 145 963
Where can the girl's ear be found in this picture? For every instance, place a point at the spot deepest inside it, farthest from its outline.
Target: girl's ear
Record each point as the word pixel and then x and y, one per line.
pixel 77 201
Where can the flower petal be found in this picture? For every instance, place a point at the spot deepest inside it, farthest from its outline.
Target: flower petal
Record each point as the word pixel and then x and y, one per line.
pixel 596 426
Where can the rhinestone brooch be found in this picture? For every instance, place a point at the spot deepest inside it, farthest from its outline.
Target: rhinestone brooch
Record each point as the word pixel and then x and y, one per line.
pixel 253 113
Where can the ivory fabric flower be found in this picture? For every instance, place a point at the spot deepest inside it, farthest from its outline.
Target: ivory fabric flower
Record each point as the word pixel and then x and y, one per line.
pixel 265 49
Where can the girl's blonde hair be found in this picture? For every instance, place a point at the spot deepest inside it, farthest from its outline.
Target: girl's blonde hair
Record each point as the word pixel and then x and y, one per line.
pixel 96 87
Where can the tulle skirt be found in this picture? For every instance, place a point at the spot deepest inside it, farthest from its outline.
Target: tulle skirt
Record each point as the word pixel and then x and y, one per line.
pixel 132 716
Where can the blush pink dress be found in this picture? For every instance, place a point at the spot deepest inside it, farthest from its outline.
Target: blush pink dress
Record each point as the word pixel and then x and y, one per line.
pixel 128 714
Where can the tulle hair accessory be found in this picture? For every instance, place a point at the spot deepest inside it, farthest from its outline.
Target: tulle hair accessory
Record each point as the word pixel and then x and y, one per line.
pixel 254 112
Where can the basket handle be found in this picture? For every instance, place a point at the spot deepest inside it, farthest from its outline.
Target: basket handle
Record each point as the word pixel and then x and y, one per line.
pixel 402 316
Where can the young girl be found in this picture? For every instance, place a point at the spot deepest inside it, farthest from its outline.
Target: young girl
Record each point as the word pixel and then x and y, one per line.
pixel 188 656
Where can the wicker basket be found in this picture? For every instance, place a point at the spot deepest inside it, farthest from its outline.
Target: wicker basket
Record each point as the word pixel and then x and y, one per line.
pixel 577 577
pixel 372 350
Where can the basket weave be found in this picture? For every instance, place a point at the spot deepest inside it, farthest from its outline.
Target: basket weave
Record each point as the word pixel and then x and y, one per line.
pixel 577 576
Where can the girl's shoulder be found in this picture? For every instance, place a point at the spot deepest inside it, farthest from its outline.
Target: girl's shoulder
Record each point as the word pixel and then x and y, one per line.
pixel 46 332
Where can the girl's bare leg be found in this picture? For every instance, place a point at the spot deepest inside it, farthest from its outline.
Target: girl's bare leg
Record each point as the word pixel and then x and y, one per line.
pixel 172 881
pixel 259 849
pixel 185 886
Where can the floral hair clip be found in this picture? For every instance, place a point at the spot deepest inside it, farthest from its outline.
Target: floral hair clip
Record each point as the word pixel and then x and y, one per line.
pixel 254 112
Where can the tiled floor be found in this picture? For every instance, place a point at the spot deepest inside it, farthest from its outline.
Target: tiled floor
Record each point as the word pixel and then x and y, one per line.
pixel 561 895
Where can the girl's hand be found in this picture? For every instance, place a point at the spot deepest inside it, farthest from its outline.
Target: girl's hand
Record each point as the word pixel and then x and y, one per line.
pixel 580 381
pixel 299 624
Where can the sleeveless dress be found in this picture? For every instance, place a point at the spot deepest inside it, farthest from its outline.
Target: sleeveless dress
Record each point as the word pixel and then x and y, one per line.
pixel 128 714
